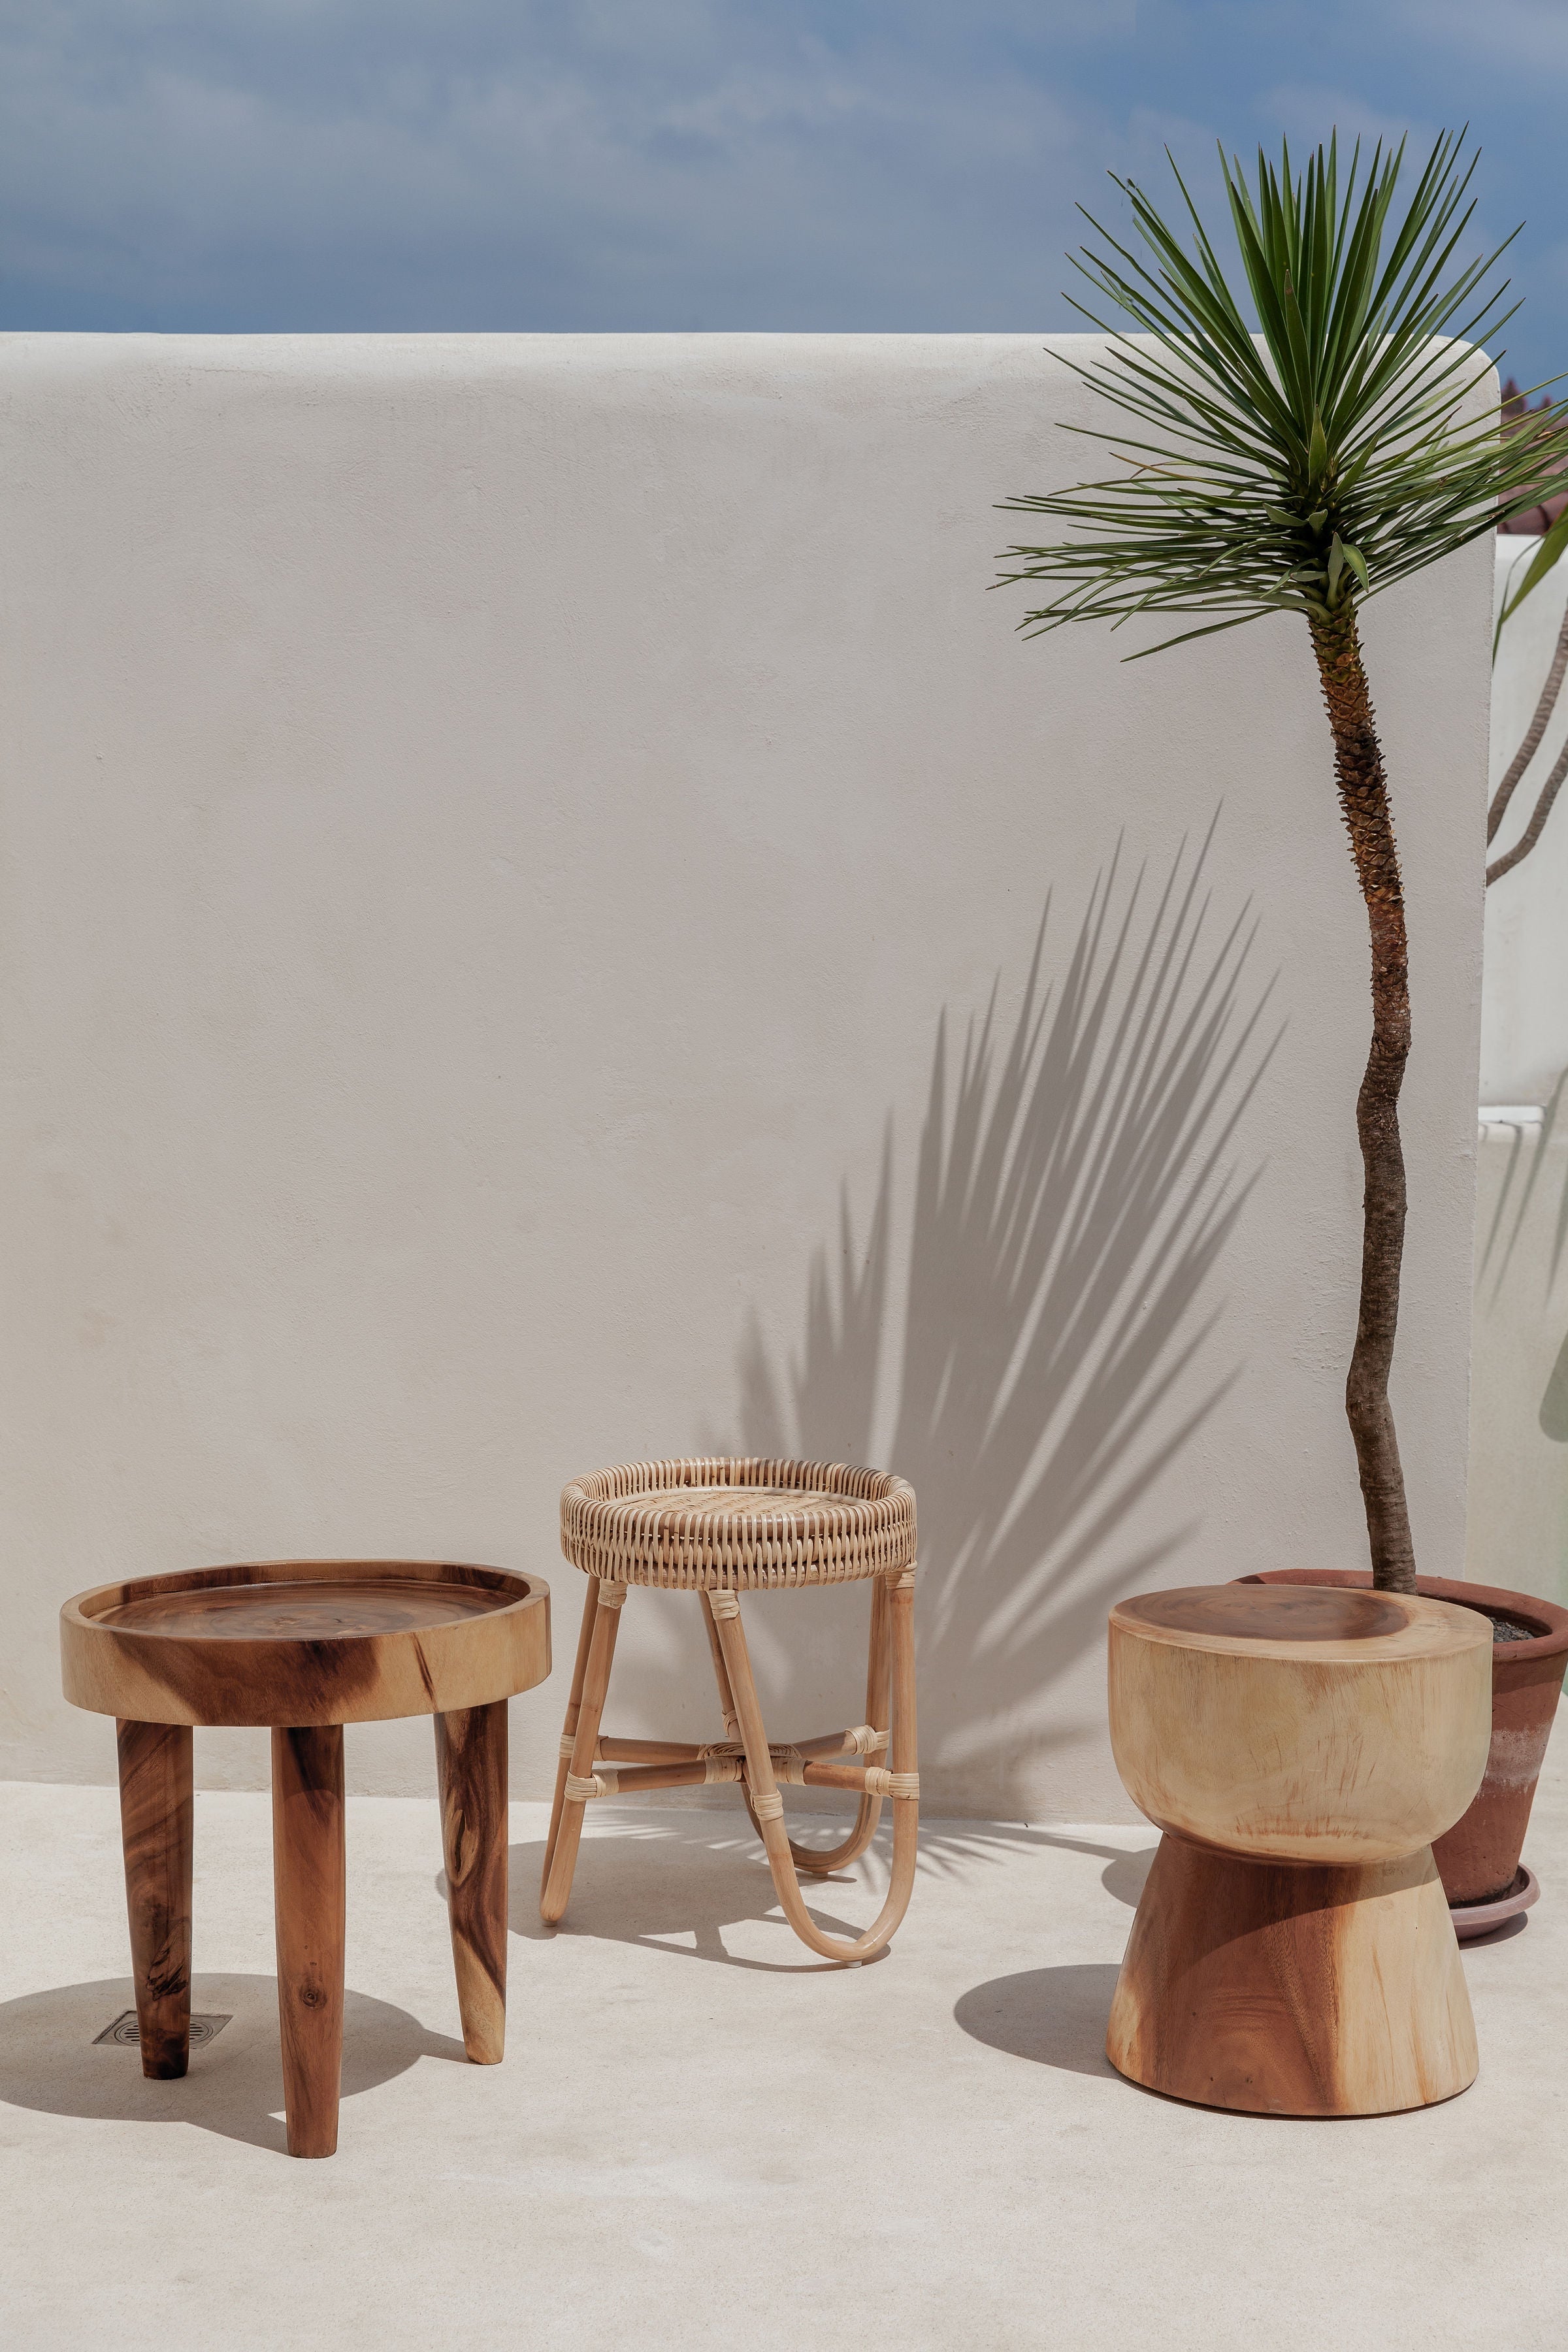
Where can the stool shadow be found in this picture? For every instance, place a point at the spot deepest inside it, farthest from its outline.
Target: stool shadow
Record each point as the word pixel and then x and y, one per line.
pixel 50 2063
pixel 647 1880
pixel 721 1878
pixel 949 1848
pixel 1053 2017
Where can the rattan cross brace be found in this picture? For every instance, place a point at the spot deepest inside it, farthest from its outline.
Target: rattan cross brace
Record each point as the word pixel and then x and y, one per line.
pixel 614 1522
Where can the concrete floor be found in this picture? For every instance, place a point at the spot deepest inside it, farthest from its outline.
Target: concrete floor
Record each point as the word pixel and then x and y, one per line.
pixel 698 2140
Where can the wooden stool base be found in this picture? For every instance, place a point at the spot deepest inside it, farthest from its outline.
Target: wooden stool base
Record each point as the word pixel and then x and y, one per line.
pixel 593 1766
pixel 1293 1989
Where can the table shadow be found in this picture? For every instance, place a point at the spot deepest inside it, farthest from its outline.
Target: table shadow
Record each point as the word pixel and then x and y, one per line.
pixel 1053 2017
pixel 50 2063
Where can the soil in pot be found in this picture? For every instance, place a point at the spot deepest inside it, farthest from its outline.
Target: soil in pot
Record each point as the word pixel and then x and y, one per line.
pixel 1477 1859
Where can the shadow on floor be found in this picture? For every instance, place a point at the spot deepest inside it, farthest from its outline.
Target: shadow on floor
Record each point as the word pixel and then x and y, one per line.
pixel 49 2061
pixel 674 1884
pixel 656 1879
pixel 1055 2017
pixel 949 1847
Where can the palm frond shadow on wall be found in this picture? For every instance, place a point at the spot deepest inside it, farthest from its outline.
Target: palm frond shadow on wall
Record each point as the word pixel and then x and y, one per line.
pixel 1050 1353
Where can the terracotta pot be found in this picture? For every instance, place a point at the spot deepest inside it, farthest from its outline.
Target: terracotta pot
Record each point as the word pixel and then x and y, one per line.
pixel 1477 1859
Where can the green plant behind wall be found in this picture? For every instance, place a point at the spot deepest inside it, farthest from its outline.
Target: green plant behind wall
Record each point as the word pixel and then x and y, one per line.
pixel 1303 471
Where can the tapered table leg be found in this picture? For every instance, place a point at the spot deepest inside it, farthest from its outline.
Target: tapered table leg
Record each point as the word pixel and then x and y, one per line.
pixel 307 1887
pixel 155 1827
pixel 471 1768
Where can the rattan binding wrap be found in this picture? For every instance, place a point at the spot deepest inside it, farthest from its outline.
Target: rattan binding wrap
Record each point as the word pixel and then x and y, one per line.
pixel 629 1525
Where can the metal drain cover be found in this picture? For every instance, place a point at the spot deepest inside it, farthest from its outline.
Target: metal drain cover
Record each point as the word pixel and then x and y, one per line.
pixel 124 2031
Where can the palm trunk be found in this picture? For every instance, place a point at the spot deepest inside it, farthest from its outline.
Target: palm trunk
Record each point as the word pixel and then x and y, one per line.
pixel 1363 801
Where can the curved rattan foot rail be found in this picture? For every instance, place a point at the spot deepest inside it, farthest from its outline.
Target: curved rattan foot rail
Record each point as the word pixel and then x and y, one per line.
pixel 720 1527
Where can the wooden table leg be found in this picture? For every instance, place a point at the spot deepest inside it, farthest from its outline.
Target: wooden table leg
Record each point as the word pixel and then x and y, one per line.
pixel 471 1769
pixel 308 1888
pixel 155 1828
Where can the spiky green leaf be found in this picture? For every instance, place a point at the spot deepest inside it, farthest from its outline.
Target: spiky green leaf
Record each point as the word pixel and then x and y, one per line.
pixel 1317 444
pixel 1352 411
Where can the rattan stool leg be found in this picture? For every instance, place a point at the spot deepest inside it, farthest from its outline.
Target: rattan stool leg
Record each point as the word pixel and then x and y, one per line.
pixel 768 1805
pixel 720 1674
pixel 727 1707
pixel 727 1704
pixel 569 1729
pixel 820 1859
pixel 563 1859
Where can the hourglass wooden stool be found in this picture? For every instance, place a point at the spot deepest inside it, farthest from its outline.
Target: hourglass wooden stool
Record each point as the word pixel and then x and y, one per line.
pixel 720 1529
pixel 306 1646
pixel 1299 1746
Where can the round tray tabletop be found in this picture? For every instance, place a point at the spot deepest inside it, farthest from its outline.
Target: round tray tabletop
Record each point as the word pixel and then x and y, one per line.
pixel 305 1642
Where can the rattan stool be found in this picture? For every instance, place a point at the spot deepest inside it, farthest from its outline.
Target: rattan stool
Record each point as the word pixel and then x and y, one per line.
pixel 720 1529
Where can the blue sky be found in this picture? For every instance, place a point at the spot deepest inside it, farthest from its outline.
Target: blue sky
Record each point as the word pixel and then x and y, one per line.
pixel 839 164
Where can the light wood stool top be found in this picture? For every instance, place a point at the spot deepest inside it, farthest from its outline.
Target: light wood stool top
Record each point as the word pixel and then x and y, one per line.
pixel 1306 1722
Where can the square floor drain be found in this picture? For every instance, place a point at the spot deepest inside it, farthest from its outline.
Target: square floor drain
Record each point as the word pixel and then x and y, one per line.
pixel 124 2031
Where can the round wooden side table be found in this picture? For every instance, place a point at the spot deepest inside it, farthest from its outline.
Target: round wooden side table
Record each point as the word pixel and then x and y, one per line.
pixel 719 1528
pixel 306 1646
pixel 1300 1747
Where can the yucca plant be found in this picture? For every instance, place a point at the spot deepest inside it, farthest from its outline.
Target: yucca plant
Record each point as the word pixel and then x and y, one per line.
pixel 1303 470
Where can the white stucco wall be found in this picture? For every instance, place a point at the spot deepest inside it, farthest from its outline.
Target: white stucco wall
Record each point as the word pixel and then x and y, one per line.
pixel 501 837
pixel 1519 1430
pixel 1524 1016
pixel 1517 1519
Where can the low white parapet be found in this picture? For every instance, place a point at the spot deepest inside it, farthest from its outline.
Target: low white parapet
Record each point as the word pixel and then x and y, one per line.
pixel 510 843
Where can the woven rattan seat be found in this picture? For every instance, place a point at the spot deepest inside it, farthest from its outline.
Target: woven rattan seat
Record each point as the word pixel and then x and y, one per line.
pixel 738 1525
pixel 720 1527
